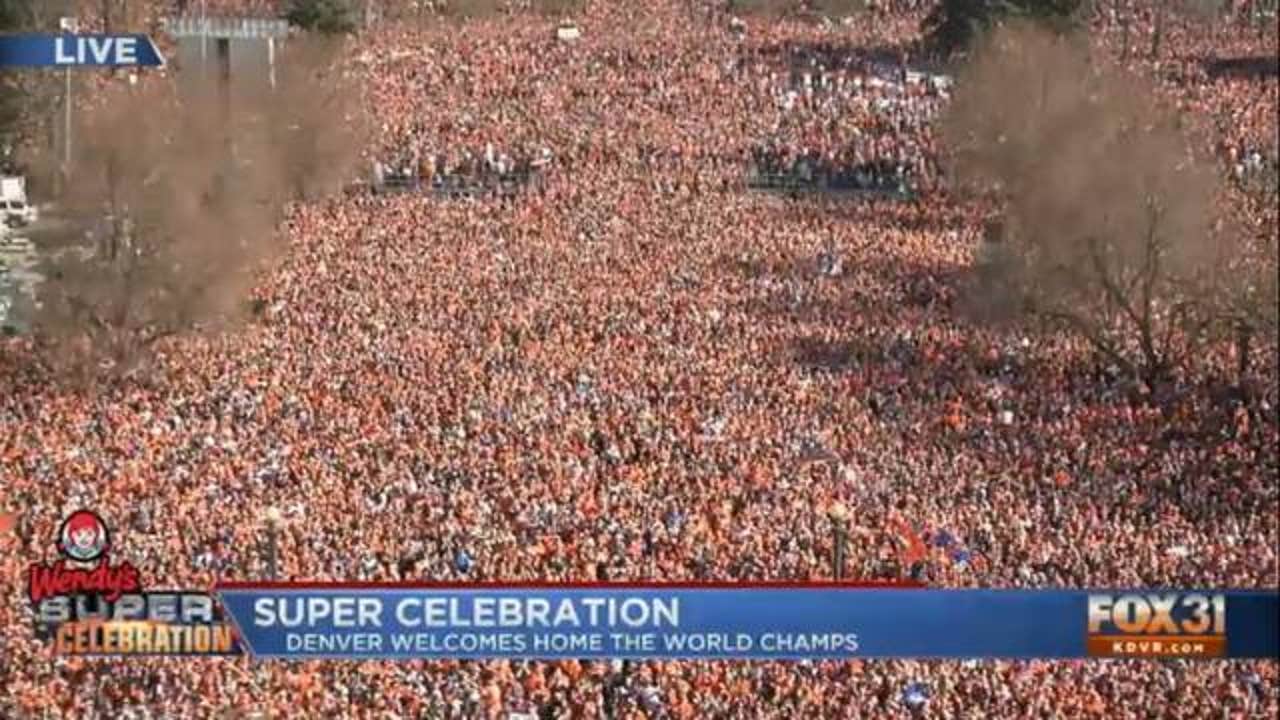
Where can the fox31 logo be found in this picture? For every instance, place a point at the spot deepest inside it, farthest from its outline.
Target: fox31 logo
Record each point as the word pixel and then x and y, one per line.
pixel 1157 625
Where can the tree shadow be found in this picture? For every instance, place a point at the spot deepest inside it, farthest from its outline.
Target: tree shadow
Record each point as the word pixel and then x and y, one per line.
pixel 818 353
pixel 910 215
pixel 1249 67
pixel 899 371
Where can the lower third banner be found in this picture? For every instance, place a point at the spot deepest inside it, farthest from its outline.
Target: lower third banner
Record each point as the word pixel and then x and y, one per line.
pixel 746 622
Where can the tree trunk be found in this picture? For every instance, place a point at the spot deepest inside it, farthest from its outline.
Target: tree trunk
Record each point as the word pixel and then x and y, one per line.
pixel 117 222
pixel 1122 16
pixel 1244 343
pixel 1157 34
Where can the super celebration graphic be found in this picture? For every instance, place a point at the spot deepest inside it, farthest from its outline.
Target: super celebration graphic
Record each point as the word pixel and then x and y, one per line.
pixel 85 604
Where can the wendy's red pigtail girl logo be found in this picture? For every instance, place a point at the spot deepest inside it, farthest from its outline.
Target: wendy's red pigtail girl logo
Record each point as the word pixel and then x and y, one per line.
pixel 83 540
pixel 83 536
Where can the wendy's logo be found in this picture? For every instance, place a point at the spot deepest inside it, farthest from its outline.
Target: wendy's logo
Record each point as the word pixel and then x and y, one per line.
pixel 84 542
pixel 84 536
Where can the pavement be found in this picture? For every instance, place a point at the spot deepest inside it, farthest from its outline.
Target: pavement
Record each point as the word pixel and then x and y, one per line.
pixel 23 250
pixel 19 274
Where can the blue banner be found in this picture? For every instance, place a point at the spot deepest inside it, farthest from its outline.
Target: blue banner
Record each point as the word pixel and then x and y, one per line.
pixel 749 622
pixel 68 50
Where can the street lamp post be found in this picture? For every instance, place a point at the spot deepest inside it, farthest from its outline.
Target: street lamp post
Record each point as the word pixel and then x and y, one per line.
pixel 204 39
pixel 67 25
pixel 273 519
pixel 839 516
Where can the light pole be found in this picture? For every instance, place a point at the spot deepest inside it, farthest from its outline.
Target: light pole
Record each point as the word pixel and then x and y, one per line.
pixel 67 25
pixel 271 61
pixel 273 519
pixel 839 516
pixel 204 38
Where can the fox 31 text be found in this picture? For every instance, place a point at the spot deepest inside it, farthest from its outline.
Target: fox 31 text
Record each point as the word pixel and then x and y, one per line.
pixel 1157 625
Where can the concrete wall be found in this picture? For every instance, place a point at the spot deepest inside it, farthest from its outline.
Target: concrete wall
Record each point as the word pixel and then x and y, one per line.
pixel 249 60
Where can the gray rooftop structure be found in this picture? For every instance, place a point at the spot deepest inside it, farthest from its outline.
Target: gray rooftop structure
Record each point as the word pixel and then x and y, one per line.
pixel 235 28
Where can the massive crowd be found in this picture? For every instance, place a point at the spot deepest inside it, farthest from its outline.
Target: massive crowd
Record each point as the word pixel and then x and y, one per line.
pixel 644 371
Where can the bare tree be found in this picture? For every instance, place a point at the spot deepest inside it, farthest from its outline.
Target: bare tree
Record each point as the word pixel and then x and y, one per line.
pixel 759 7
pixel 560 8
pixel 29 99
pixel 471 9
pixel 1250 311
pixel 1123 14
pixel 837 8
pixel 182 202
pixel 1108 217
pixel 312 85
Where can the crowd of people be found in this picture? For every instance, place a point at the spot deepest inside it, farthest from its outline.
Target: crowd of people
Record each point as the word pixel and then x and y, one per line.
pixel 470 173
pixel 771 169
pixel 848 118
pixel 643 372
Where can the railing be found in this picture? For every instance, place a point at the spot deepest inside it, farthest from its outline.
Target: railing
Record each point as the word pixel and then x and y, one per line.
pixel 223 27
pixel 459 186
pixel 794 183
